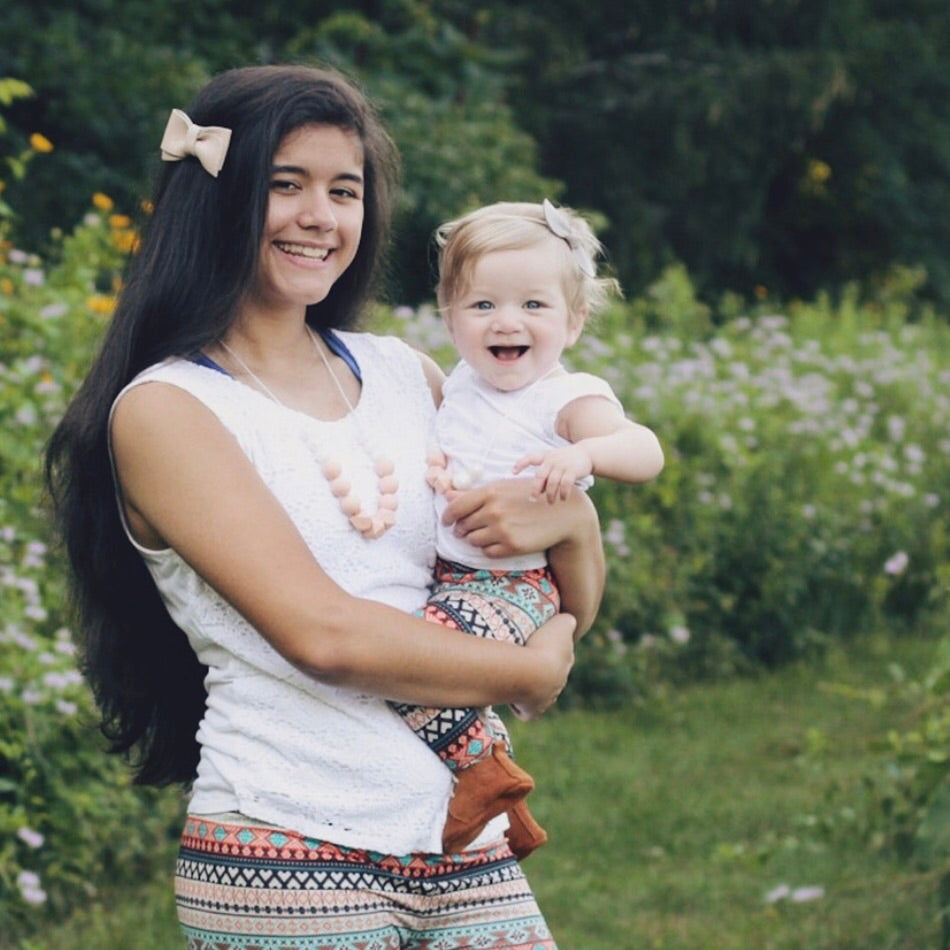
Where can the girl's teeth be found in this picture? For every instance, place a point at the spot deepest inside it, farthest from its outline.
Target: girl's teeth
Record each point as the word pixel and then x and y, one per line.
pixel 314 253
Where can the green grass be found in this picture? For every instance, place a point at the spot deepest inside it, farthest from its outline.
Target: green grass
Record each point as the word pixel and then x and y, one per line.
pixel 669 824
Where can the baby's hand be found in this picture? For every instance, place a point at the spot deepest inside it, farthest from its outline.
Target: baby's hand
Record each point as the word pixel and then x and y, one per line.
pixel 557 470
pixel 437 474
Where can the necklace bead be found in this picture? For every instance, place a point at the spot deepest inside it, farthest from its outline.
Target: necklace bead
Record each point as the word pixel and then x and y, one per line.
pixel 369 526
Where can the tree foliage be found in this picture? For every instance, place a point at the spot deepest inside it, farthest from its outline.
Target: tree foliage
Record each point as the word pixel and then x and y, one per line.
pixel 790 145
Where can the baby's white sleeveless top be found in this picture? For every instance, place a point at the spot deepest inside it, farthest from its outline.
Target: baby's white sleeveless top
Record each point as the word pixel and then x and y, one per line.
pixel 484 431
pixel 277 745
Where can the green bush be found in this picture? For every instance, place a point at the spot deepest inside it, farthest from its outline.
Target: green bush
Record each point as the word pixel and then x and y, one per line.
pixel 803 498
pixel 802 503
pixel 68 815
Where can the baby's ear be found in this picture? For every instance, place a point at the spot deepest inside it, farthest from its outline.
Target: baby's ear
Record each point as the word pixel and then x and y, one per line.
pixel 575 326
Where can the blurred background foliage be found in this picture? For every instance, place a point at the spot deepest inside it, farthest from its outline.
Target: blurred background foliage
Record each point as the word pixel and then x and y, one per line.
pixel 772 182
pixel 790 145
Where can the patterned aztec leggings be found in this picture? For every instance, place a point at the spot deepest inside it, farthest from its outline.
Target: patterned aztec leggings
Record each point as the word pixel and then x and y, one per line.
pixel 497 605
pixel 242 887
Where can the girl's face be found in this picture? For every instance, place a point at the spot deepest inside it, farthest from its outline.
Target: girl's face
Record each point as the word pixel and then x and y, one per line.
pixel 512 322
pixel 314 217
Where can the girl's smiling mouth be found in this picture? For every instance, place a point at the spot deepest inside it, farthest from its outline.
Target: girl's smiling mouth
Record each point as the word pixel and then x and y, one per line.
pixel 303 250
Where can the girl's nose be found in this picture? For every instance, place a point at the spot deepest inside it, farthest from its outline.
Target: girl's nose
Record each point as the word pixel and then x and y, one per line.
pixel 318 212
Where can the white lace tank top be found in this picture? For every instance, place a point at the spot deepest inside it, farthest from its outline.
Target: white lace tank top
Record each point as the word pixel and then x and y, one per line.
pixel 277 745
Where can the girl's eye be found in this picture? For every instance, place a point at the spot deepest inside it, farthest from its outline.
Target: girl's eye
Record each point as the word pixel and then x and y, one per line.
pixel 282 184
pixel 345 193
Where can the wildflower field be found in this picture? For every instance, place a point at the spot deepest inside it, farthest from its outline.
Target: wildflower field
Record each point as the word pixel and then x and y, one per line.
pixel 803 508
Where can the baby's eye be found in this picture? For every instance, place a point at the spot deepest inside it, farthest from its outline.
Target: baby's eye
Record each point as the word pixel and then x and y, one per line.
pixel 483 305
pixel 533 304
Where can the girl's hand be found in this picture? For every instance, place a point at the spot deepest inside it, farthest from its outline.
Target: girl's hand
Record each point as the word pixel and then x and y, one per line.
pixel 502 519
pixel 557 470
pixel 552 648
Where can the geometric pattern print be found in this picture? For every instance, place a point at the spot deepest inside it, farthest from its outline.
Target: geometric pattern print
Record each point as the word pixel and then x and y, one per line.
pixel 529 598
pixel 497 605
pixel 247 888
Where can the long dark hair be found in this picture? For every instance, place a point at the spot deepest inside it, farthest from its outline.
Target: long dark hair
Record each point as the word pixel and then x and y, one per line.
pixel 197 259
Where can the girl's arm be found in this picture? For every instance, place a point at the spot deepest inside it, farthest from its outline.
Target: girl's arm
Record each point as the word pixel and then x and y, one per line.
pixel 187 484
pixel 503 519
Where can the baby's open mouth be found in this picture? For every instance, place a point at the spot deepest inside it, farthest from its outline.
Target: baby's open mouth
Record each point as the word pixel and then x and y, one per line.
pixel 507 353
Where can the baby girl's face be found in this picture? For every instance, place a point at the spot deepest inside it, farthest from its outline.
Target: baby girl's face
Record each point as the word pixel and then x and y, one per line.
pixel 513 321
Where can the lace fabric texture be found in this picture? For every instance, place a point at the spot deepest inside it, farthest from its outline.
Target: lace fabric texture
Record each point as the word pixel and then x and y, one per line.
pixel 277 745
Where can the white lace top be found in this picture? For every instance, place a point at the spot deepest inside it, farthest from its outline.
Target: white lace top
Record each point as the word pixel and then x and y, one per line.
pixel 484 431
pixel 276 745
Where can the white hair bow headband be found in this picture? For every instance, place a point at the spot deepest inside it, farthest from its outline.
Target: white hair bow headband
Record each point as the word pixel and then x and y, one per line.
pixel 207 143
pixel 561 226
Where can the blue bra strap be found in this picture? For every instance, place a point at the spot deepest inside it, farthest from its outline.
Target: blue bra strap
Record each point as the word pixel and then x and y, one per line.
pixel 203 360
pixel 342 350
pixel 335 344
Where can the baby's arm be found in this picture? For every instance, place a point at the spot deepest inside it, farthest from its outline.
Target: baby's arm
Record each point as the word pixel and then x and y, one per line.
pixel 603 443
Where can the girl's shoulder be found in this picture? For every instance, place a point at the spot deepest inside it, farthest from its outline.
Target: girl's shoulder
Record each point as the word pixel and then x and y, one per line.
pixel 378 345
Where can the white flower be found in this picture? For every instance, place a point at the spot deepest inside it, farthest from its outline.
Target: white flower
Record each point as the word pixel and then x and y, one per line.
pixel 896 564
pixel 26 415
pixel 53 310
pixel 802 894
pixel 895 428
pixel 777 894
pixel 30 837
pixel 30 890
pixel 680 634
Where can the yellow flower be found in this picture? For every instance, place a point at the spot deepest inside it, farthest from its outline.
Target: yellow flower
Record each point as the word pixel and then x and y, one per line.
pixel 119 221
pixel 40 143
pixel 101 304
pixel 127 242
pixel 761 292
pixel 818 171
pixel 147 206
pixel 6 286
pixel 3 185
pixel 103 202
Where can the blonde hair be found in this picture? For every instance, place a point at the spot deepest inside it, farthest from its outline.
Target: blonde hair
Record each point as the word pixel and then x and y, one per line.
pixel 509 226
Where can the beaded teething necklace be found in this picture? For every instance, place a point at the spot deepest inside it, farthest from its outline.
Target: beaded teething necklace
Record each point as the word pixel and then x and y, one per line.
pixel 369 526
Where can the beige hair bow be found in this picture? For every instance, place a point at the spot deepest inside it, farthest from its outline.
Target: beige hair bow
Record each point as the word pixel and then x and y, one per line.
pixel 207 143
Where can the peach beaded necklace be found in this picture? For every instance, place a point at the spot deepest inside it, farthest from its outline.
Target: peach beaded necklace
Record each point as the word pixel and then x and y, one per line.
pixel 370 526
